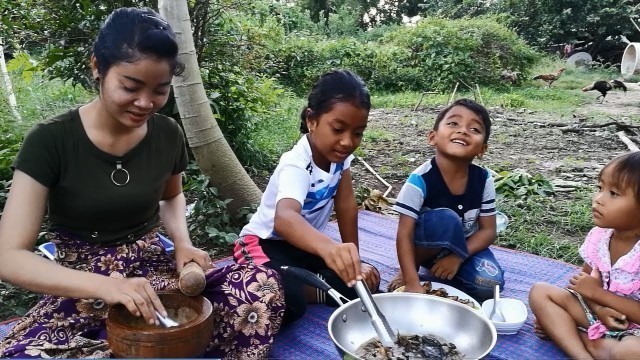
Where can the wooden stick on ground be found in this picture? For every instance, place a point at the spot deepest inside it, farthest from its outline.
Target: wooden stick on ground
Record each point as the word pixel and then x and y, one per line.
pixel 590 127
pixel 453 94
pixel 422 97
pixel 479 95
pixel 467 85
pixel 630 144
pixel 634 23
pixel 376 175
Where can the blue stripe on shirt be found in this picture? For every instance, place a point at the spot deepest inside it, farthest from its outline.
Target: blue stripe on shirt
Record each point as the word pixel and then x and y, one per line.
pixel 417 181
pixel 314 198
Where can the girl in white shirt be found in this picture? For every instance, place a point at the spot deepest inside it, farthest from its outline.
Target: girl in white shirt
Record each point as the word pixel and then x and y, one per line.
pixel 309 180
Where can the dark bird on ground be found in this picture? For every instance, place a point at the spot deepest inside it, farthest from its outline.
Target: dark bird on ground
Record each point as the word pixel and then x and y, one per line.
pixel 509 76
pixel 605 86
pixel 549 78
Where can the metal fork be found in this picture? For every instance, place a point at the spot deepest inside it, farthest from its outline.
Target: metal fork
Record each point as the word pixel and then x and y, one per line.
pixel 496 314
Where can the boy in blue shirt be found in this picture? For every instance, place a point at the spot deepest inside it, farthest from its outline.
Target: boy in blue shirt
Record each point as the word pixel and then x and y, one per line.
pixel 447 208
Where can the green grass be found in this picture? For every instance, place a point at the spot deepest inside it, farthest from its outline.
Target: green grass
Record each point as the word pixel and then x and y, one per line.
pixel 279 129
pixel 40 99
pixel 542 225
pixel 563 98
pixel 406 100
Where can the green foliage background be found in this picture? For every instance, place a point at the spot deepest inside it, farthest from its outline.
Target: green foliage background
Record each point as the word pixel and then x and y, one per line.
pixel 259 58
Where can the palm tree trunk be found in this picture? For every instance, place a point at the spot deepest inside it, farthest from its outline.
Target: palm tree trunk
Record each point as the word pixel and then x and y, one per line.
pixel 7 83
pixel 211 150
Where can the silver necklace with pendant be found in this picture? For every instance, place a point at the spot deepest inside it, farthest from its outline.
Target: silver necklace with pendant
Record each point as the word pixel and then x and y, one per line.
pixel 120 172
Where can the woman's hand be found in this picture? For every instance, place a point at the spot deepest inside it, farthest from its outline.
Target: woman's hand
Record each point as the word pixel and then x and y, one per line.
pixel 585 284
pixel 188 253
pixel 136 294
pixel 343 258
pixel 371 276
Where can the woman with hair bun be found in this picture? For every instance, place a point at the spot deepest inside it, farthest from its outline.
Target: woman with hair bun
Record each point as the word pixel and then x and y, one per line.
pixel 109 172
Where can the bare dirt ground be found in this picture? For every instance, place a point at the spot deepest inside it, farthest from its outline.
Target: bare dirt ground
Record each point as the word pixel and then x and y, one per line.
pixel 396 141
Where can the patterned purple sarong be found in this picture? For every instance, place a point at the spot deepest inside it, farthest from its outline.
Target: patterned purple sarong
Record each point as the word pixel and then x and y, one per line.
pixel 248 303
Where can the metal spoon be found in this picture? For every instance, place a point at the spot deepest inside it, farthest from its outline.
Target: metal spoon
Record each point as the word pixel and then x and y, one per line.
pixel 496 313
pixel 165 321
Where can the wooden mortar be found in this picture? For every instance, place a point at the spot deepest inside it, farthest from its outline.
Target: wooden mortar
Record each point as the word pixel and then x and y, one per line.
pixel 131 337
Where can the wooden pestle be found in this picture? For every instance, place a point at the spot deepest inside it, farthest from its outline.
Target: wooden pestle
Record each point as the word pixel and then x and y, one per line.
pixel 191 280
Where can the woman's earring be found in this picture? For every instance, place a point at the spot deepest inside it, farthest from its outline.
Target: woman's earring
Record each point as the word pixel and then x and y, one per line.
pixel 97 78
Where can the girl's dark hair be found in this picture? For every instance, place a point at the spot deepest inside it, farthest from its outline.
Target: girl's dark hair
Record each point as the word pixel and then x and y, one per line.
pixel 476 108
pixel 625 172
pixel 129 34
pixel 333 87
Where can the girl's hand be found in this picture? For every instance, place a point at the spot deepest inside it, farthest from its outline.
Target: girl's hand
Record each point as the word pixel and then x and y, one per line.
pixel 345 261
pixel 585 284
pixel 611 318
pixel 371 276
pixel 136 294
pixel 446 267
pixel 188 253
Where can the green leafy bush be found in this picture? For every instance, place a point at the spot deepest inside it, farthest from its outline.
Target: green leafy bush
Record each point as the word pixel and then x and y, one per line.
pixel 433 55
pixel 15 301
pixel 10 141
pixel 474 50
pixel 209 222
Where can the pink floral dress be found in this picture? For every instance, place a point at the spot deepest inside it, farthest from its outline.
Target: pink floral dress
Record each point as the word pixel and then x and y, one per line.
pixel 621 278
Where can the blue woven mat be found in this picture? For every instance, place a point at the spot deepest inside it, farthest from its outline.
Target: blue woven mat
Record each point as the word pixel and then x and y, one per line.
pixel 308 338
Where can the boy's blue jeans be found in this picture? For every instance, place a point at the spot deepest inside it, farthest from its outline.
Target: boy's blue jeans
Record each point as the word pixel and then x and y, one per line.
pixel 478 274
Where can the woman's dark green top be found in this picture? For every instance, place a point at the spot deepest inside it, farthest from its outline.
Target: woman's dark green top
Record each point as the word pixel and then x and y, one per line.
pixel 83 197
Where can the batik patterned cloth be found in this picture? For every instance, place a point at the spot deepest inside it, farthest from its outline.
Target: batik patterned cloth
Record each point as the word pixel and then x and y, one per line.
pixel 248 304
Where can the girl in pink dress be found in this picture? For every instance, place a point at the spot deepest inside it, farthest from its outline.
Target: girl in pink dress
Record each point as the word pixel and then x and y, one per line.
pixel 598 314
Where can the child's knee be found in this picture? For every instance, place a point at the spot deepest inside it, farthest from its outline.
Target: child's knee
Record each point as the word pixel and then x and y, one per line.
pixel 439 228
pixel 539 290
pixel 542 292
pixel 443 217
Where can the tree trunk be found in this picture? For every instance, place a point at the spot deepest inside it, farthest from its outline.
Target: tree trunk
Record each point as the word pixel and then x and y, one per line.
pixel 7 83
pixel 211 150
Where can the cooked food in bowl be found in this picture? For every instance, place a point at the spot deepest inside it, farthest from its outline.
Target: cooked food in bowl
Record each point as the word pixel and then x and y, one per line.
pixel 447 292
pixel 410 347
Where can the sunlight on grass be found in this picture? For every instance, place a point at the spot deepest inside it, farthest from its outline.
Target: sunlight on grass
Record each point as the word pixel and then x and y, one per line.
pixel 406 100
pixel 279 129
pixel 40 99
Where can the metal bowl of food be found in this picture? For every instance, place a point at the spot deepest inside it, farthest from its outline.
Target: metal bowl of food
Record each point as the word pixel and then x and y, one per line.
pixel 429 327
pixel 472 334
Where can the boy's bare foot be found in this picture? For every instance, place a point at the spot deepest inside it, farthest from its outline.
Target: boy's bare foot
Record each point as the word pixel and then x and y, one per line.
pixel 396 282
pixel 539 331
